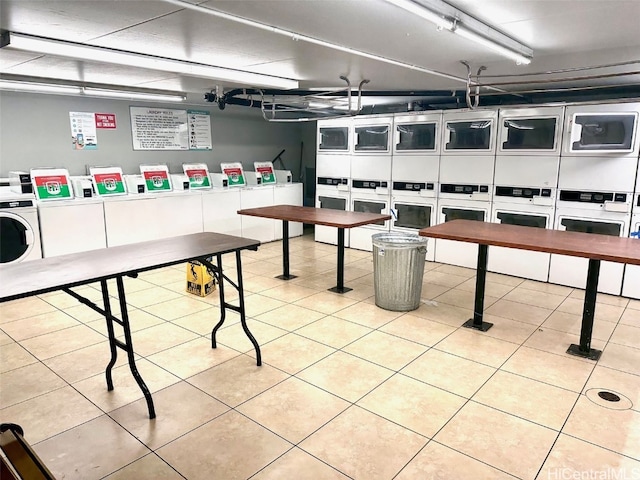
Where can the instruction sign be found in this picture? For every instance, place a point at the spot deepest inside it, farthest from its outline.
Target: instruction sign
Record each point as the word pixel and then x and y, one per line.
pixel 83 130
pixel 51 184
pixel 198 175
pixel 170 129
pixel 108 180
pixel 265 170
pixel 234 173
pixel 156 178
pixel 105 120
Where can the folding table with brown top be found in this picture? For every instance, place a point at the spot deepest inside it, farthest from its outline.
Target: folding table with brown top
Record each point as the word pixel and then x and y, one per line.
pixel 316 216
pixel 576 244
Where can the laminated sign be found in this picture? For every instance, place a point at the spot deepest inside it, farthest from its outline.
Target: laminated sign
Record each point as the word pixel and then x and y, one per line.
pixel 265 170
pixel 200 280
pixel 156 178
pixel 108 181
pixel 235 174
pixel 51 184
pixel 198 175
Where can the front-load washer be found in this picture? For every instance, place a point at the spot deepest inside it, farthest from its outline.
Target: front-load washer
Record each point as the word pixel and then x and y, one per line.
pixel 525 207
pixel 369 196
pixel 603 213
pixel 19 229
pixel 414 207
pixel 72 226
pixel 453 252
pixel 333 193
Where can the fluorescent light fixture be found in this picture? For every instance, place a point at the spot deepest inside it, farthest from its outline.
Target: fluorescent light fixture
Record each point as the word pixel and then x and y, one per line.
pixel 101 92
pixel 61 48
pixel 466 33
pixel 422 12
pixel 39 87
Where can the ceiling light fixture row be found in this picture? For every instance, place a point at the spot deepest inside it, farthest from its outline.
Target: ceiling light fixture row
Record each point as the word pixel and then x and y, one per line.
pixel 63 89
pixel 446 17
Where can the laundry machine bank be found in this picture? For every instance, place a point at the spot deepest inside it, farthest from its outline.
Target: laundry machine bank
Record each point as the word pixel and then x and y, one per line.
pixel 415 172
pixel 466 177
pixel 598 169
pixel 19 229
pixel 526 178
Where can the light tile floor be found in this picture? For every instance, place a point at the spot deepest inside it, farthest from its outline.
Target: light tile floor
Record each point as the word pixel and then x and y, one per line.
pixel 347 389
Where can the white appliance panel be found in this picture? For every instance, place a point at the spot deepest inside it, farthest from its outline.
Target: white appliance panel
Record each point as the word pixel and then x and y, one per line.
pixel 467 169
pixel 333 166
pixel 181 213
pixel 415 168
pixel 371 167
pixel 288 194
pixel 535 171
pixel 220 211
pixel 132 218
pixel 262 229
pixel 598 173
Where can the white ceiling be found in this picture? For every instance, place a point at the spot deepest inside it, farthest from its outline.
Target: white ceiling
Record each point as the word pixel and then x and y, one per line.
pixel 562 34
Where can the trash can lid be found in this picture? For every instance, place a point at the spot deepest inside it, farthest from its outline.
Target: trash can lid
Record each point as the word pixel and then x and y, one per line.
pixel 398 240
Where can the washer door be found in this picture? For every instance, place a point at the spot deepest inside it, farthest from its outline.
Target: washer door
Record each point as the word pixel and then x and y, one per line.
pixel 16 238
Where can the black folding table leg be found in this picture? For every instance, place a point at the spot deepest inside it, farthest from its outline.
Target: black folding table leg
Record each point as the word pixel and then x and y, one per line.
pixel 481 278
pixel 285 252
pixel 127 346
pixel 112 336
pixel 340 288
pixel 588 314
pixel 243 316
pixel 223 310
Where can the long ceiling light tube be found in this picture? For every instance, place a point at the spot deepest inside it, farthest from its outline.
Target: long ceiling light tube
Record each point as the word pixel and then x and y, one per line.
pixel 49 46
pixel 496 47
pixel 101 92
pixel 40 87
pixel 305 38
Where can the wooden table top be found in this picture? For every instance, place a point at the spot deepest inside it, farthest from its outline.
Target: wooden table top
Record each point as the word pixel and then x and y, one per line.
pixel 315 216
pixel 576 244
pixel 48 274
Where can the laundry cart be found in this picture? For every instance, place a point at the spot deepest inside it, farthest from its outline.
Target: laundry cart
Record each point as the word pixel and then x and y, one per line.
pixel 526 180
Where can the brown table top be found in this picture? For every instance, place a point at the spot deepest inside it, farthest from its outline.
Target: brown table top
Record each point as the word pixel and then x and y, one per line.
pixel 315 216
pixel 576 244
pixel 53 273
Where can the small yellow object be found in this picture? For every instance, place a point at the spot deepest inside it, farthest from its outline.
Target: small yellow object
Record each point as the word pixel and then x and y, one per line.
pixel 200 280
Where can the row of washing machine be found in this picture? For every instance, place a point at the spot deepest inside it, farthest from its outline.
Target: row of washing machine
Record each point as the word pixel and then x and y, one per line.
pixel 31 229
pixel 565 167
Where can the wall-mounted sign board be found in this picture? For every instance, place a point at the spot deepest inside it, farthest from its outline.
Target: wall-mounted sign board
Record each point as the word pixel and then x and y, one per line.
pixel 170 129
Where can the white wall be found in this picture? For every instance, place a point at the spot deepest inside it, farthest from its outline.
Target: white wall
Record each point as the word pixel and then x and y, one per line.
pixel 35 132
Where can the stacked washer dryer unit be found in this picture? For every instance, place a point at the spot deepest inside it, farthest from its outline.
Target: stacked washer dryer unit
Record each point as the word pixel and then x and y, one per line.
pixel 526 178
pixel 598 169
pixel 19 230
pixel 631 281
pixel 466 177
pixel 370 175
pixel 333 173
pixel 415 172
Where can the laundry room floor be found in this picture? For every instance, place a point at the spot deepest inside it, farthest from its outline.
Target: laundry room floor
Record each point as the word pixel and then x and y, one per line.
pixel 346 389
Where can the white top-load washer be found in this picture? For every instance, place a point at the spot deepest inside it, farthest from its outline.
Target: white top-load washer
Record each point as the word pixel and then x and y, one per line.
pixel 598 169
pixel 467 162
pixel 19 230
pixel 526 178
pixel 631 281
pixel 415 170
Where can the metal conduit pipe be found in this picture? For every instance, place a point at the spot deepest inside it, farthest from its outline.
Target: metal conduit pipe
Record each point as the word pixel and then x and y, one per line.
pixel 564 70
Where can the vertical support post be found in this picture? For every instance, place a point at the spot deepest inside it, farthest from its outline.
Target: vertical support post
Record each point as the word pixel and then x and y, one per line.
pixel 285 252
pixel 243 316
pixel 340 288
pixel 223 305
pixel 588 315
pixel 481 279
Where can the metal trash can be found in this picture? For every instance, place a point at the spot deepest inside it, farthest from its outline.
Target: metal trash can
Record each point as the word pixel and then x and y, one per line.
pixel 398 268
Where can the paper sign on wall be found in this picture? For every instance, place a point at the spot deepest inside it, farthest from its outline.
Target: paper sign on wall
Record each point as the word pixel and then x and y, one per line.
pixel 198 175
pixel 108 181
pixel 265 170
pixel 235 174
pixel 105 120
pixel 170 129
pixel 83 130
pixel 156 178
pixel 51 183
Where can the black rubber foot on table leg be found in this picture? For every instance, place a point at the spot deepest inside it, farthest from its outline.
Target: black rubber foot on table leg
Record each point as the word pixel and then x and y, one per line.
pixel 592 354
pixel 286 277
pixel 483 327
pixel 340 290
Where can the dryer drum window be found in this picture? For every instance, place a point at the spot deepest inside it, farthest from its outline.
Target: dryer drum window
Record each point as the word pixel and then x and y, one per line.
pixel 530 134
pixel 589 226
pixel 413 216
pixel 335 138
pixel 462 214
pixel 420 136
pixel 13 240
pixel 333 203
pixel 369 207
pixel 605 132
pixel 469 135
pixel 522 219
pixel 372 138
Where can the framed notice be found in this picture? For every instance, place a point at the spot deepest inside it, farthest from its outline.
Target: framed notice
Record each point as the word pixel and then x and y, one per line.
pixel 156 178
pixel 108 181
pixel 51 183
pixel 265 170
pixel 170 129
pixel 198 175
pixel 235 174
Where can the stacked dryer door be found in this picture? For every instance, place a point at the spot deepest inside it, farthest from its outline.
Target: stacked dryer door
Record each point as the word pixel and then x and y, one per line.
pixel 631 281
pixel 333 173
pixel 526 177
pixel 466 177
pixel 598 169
pixel 370 176
pixel 414 173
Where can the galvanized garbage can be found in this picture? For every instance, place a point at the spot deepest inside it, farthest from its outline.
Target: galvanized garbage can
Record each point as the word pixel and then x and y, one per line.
pixel 398 268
